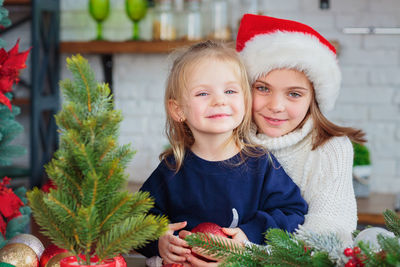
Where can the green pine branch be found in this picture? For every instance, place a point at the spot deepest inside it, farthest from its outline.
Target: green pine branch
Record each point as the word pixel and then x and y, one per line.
pixel 131 233
pixel 392 222
pixel 303 249
pixel 9 129
pixel 89 212
pixel 215 246
pixel 281 249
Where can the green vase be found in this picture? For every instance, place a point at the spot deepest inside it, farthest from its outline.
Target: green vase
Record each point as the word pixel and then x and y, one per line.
pixel 136 10
pixel 99 10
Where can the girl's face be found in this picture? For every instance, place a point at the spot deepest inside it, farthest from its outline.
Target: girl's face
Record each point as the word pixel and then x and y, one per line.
pixel 214 102
pixel 281 100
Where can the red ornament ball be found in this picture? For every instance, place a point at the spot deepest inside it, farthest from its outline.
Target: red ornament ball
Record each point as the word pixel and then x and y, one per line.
pixel 209 227
pixel 50 252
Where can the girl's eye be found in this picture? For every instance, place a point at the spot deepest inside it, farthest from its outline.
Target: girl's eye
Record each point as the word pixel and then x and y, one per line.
pixel 202 94
pixel 294 94
pixel 230 91
pixel 261 88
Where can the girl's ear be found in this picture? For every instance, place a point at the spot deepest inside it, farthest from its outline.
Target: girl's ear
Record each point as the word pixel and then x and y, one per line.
pixel 175 111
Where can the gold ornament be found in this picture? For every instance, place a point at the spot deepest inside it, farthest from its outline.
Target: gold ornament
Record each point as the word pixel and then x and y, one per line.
pixel 31 241
pixel 19 255
pixel 55 260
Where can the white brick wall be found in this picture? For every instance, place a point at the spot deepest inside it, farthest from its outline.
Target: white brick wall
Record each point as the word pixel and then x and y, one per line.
pixel 370 96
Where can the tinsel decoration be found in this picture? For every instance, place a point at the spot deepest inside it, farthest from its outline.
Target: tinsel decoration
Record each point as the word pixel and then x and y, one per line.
pixel 72 261
pixel 329 243
pixel 120 261
pixel 19 255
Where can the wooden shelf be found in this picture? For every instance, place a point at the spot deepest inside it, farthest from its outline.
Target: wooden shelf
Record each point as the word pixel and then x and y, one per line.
pixel 370 209
pixel 17 2
pixel 20 101
pixel 138 47
pixel 108 47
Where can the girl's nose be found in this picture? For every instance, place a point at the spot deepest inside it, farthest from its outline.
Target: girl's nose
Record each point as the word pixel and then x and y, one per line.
pixel 219 99
pixel 275 104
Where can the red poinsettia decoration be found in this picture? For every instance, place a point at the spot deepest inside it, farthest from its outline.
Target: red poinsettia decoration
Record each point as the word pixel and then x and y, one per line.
pixel 10 204
pixel 10 64
pixel 48 185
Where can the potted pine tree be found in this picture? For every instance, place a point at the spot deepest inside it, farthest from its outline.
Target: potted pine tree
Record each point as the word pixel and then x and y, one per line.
pixel 361 170
pixel 89 214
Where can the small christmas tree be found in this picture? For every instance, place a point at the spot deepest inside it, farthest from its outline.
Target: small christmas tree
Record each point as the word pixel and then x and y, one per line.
pixel 88 213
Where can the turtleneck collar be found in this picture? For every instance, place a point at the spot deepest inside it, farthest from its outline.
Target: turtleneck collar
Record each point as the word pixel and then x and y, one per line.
pixel 281 142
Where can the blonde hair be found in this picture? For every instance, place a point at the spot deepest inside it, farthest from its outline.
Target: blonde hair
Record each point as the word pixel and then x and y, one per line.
pixel 324 129
pixel 178 133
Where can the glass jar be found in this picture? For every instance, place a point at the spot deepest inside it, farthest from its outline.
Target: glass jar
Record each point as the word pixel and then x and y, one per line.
pixel 164 27
pixel 192 22
pixel 220 26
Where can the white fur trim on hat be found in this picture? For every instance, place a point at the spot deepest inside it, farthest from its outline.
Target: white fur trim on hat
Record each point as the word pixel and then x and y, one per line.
pixel 295 50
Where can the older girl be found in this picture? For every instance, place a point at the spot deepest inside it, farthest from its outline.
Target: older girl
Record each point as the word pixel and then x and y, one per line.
pixel 295 81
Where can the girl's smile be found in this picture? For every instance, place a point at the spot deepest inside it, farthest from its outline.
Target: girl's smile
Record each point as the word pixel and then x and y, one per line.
pixel 281 100
pixel 274 122
pixel 218 116
pixel 214 103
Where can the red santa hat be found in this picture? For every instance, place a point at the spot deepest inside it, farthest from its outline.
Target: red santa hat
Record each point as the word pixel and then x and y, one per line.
pixel 267 43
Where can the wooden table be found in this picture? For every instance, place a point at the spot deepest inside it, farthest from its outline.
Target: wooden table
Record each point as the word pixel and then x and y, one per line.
pixel 135 260
pixel 370 209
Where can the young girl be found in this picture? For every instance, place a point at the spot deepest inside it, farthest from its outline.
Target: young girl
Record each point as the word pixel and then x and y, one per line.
pixel 212 173
pixel 295 80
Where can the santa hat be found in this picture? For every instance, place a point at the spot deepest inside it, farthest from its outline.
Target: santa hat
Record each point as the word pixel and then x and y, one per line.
pixel 267 43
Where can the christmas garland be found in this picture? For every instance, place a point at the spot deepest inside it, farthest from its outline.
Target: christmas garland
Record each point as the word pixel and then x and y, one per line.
pixel 372 247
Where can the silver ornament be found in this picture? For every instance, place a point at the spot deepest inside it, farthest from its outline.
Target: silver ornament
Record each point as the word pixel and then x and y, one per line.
pixel 31 241
pixel 369 236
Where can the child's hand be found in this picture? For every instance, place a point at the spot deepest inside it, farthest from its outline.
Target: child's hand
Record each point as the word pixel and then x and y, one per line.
pixel 173 249
pixel 237 235
pixel 197 262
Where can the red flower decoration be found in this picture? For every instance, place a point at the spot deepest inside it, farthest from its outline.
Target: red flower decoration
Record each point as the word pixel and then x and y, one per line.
pixel 10 64
pixel 10 202
pixel 3 226
pixel 49 184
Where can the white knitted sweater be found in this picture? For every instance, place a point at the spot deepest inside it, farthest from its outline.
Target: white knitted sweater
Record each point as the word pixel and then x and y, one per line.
pixel 324 176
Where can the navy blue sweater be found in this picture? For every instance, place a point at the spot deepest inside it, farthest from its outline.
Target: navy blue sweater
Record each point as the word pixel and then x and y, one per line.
pixel 263 195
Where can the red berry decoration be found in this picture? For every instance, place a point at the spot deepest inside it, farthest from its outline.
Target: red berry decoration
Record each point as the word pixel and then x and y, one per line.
pixel 350 263
pixel 356 250
pixel 348 252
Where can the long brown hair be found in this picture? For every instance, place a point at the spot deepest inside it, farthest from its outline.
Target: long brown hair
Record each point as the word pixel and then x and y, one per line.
pixel 178 133
pixel 325 129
